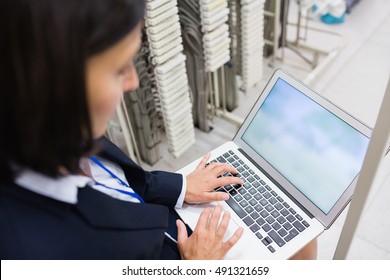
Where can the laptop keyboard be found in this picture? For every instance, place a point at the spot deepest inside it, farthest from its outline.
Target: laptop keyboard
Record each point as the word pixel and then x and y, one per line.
pixel 260 207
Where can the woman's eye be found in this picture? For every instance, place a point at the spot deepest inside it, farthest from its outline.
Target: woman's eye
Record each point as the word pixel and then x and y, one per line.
pixel 126 69
pixel 122 71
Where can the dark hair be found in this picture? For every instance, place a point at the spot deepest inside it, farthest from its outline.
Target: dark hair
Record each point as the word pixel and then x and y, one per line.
pixel 44 119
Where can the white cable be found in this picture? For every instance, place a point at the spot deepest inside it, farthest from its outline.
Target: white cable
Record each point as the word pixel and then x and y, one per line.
pixel 161 9
pixel 168 99
pixel 214 15
pixel 252 41
pixel 157 41
pixel 181 133
pixel 175 85
pixel 210 5
pixel 161 17
pixel 214 50
pixel 162 49
pixel 161 59
pixel 212 18
pixel 170 64
pixel 163 77
pixel 211 13
pixel 178 121
pixel 217 40
pixel 172 77
pixel 163 25
pixel 223 29
pixel 180 114
pixel 214 25
pixel 169 29
pixel 182 99
pixel 151 5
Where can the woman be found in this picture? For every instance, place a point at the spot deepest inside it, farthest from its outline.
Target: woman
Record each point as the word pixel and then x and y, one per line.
pixel 66 191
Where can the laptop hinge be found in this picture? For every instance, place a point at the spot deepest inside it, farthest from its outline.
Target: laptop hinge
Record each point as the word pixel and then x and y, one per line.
pixel 276 183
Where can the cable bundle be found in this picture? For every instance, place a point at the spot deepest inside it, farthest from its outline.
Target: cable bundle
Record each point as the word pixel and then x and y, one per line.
pixel 189 13
pixel 216 41
pixel 252 41
pixel 166 48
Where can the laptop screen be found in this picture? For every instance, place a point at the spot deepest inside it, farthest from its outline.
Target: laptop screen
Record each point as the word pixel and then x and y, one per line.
pixel 315 150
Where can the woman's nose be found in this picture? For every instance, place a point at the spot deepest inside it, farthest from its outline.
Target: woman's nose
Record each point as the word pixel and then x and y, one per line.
pixel 130 79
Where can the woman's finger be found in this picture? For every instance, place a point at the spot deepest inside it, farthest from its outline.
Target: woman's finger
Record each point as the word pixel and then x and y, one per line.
pixel 203 219
pixel 221 168
pixel 223 225
pixel 233 240
pixel 203 161
pixel 214 219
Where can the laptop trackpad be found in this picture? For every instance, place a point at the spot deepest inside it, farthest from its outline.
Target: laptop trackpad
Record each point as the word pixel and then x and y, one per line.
pixel 191 213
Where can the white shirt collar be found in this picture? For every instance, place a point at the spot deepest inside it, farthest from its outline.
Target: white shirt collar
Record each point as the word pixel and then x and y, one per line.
pixel 63 189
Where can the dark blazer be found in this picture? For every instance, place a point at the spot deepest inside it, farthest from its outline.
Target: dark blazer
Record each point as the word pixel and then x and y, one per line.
pixel 33 226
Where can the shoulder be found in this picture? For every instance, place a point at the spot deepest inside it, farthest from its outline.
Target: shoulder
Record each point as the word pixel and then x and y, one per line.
pixel 36 227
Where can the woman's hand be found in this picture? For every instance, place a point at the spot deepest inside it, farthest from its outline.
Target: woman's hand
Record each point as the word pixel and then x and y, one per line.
pixel 206 242
pixel 204 179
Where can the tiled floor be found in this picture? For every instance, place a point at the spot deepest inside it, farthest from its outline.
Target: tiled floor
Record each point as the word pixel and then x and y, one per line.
pixel 358 87
pixel 356 81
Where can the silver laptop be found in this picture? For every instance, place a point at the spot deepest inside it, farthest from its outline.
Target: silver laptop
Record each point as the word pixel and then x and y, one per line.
pixel 299 156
